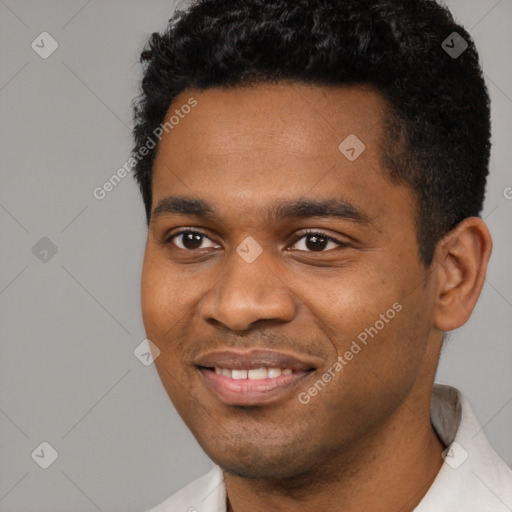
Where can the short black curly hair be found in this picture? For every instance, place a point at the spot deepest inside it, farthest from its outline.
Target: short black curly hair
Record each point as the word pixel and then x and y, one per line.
pixel 438 123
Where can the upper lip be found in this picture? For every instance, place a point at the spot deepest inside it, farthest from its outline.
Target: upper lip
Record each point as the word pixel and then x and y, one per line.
pixel 256 358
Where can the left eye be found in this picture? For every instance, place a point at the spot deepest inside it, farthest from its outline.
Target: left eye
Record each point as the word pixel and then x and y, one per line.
pixel 318 242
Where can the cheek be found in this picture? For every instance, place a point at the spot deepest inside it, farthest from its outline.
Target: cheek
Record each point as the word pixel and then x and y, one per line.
pixel 376 316
pixel 149 292
pixel 161 297
pixel 348 303
pixel 397 335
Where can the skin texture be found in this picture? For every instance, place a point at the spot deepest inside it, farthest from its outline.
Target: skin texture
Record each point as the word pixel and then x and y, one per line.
pixel 365 441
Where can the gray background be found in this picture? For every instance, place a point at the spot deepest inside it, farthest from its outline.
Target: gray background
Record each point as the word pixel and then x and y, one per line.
pixel 69 325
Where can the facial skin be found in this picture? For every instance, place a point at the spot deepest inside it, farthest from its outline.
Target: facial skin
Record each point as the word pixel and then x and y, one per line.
pixel 365 440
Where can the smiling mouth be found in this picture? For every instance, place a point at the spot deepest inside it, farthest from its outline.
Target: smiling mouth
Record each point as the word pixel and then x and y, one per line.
pixel 253 378
pixel 257 386
pixel 253 373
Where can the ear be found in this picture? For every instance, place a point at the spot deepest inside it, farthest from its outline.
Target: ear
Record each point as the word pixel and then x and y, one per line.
pixel 461 258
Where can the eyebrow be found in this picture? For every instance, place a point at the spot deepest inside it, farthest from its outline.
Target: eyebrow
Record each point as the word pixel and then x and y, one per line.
pixel 292 209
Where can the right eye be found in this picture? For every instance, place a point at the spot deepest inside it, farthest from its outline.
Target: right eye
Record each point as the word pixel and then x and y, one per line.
pixel 188 240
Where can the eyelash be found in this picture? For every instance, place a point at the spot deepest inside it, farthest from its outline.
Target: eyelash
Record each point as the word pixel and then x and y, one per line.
pixel 298 237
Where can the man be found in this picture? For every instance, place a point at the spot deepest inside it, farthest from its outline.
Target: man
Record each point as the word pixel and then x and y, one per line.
pixel 313 173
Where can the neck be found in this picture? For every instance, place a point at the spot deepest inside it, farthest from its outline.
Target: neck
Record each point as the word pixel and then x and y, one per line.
pixel 388 470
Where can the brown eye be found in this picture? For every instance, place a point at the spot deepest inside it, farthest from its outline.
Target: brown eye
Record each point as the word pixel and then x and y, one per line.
pixel 317 242
pixel 189 240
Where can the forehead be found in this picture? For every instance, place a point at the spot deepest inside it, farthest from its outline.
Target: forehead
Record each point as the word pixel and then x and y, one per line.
pixel 285 117
pixel 245 145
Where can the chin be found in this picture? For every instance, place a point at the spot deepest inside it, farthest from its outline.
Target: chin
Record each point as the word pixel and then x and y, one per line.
pixel 273 470
pixel 255 464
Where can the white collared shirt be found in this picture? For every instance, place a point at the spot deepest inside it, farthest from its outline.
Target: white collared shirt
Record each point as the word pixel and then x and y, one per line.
pixel 473 478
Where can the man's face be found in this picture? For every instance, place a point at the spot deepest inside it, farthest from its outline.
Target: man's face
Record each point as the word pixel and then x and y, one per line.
pixel 318 343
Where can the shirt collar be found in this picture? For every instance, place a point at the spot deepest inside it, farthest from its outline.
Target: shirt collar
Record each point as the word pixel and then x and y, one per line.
pixel 473 478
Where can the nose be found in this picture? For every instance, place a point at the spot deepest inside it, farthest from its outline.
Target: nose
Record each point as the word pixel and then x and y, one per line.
pixel 248 293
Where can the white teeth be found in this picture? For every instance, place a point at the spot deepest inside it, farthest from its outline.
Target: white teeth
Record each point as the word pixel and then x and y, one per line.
pixel 254 373
pixel 274 372
pixel 257 373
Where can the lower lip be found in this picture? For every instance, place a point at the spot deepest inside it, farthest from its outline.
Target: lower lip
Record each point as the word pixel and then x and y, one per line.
pixel 251 392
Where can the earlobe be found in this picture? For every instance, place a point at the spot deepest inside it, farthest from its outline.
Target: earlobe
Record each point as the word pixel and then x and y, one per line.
pixel 461 258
